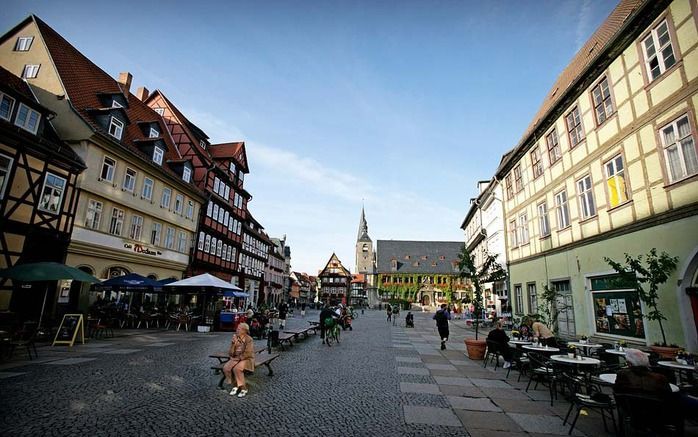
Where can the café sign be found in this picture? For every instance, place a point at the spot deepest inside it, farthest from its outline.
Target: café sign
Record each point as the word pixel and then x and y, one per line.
pixel 139 248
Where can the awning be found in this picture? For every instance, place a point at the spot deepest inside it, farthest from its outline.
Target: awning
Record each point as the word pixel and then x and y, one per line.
pixel 204 283
pixel 230 293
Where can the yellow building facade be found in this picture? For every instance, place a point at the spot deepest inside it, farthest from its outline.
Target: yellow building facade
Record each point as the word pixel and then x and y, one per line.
pixel 609 166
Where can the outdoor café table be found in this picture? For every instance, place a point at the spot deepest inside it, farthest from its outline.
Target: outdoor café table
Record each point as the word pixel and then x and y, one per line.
pixel 610 378
pixel 678 368
pixel 519 343
pixel 585 361
pixel 541 349
pixel 584 346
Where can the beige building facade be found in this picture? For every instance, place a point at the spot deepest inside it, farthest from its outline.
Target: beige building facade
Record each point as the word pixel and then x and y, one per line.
pixel 609 166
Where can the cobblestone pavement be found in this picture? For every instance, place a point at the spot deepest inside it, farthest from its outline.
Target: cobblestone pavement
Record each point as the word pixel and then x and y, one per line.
pixel 380 380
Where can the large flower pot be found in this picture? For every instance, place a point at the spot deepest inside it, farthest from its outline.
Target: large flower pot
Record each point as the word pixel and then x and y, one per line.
pixel 476 348
pixel 665 351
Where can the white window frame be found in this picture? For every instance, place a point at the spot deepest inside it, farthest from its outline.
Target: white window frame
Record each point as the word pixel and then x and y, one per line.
pixel 24 43
pixel 215 212
pixel 207 245
pixel 543 219
pixel 216 184
pixel 612 172
pixel 5 173
pixel 93 215
pixel 116 127
pixel 513 234
pixel 522 229
pixel 11 105
pixel 130 187
pixel 605 103
pixel 116 223
pixel 186 174
pixel 209 209
pixel 226 195
pixel 179 204
pixel 532 293
pixel 214 242
pixel 158 154
pixel 202 237
pixel 182 242
pixel 585 191
pixel 153 133
pixel 155 233
pixel 562 209
pixel 111 169
pixel 115 104
pixel 518 299
pixel 219 248
pixel 190 209
pixel 136 230
pixel 31 71
pixel 26 116
pixel 166 195
pixel 202 144
pixel 654 39
pixel 170 234
pixel 148 188
pixel 160 111
pixel 53 204
pixel 679 144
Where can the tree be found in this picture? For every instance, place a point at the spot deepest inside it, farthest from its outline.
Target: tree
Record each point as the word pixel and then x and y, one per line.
pixel 653 272
pixel 490 271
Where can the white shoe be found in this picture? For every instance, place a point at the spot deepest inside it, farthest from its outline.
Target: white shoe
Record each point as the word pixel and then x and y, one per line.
pixel 242 393
pixel 506 365
pixel 234 391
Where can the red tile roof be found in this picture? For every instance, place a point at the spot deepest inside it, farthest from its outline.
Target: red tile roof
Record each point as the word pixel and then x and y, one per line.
pixel 230 150
pixel 84 82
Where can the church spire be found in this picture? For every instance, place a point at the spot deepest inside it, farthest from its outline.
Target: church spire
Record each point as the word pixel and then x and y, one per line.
pixel 363 228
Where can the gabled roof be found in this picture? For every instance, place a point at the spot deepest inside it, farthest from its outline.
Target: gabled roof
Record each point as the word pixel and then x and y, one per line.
pixel 592 53
pixel 234 150
pixel 334 262
pixel 84 82
pixel 389 250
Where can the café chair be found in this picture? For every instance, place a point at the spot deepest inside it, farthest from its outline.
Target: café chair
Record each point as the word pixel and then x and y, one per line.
pixel 593 400
pixel 643 414
pixel 542 371
pixel 27 340
pixel 493 353
pixel 519 361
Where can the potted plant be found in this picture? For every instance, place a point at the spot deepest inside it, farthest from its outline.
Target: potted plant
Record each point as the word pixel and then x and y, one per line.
pixel 652 273
pixel 583 339
pixel 571 351
pixel 489 271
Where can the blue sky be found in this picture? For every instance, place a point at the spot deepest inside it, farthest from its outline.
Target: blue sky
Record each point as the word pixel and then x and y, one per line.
pixel 401 105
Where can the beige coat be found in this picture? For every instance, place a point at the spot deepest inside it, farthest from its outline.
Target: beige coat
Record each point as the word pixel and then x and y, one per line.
pixel 242 349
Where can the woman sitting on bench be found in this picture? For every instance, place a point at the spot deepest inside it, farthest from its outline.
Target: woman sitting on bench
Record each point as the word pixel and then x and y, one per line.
pixel 241 359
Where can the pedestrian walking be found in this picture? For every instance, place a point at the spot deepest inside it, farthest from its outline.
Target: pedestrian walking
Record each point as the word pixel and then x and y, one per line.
pixel 303 310
pixel 442 317
pixel 283 311
pixel 389 312
pixel 396 313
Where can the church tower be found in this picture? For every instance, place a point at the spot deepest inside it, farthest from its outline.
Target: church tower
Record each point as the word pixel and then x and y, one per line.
pixel 364 248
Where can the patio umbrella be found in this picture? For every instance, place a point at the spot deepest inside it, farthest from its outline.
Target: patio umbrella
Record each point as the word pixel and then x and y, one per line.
pixel 130 282
pixel 45 272
pixel 204 283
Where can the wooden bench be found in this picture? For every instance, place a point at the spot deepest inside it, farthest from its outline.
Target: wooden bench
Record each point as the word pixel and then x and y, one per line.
pixel 298 332
pixel 285 337
pixel 260 360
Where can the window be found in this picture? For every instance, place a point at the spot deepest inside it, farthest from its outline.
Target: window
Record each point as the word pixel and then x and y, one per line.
pixel 214 241
pixel 130 180
pixel 543 222
pixel 170 238
pixel 513 236
pixel 207 246
pixel 155 232
pixel 510 189
pixel 554 153
pixel 209 209
pixel 94 214
pixel 23 43
pixel 154 133
pixel 158 153
pixel 179 204
pixel 233 170
pixel 601 98
pixel 523 229
pixel 202 143
pixel 518 181
pixel 160 111
pixel 136 228
pixel 115 104
pixel 116 224
pixel 586 197
pixel 216 185
pixel 518 299
pixel 108 166
pixel 532 298
pixel 215 212
pixel 537 162
pixel 659 54
pixel 6 105
pixel 166 197
pixel 563 211
pixel 219 248
pixel 5 166
pixel 241 175
pixel 220 215
pixel 226 194
pixel 147 189
pixel 27 118
pixel 679 149
pixel 202 237
pixel 224 253
pixel 226 219
pixel 182 242
pixel 52 193
pixel 186 174
pixel 30 71
pixel 574 127
pixel 565 309
pixel 116 128
pixel 615 180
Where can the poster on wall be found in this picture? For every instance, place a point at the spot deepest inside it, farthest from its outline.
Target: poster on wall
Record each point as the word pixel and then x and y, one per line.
pixel 64 290
pixel 618 313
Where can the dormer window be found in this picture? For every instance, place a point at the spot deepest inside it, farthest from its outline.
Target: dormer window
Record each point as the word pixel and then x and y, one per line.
pixel 6 105
pixel 116 128
pixel 186 174
pixel 154 133
pixel 202 143
pixel 27 118
pixel 30 71
pixel 116 104
pixel 160 111
pixel 24 43
pixel 158 153
pixel 233 170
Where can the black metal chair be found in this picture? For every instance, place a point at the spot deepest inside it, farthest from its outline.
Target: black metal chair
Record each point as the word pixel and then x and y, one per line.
pixel 594 399
pixel 542 371
pixel 519 361
pixel 642 414
pixel 27 340
pixel 493 353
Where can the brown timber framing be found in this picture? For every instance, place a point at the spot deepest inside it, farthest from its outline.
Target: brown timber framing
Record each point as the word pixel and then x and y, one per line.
pixel 629 32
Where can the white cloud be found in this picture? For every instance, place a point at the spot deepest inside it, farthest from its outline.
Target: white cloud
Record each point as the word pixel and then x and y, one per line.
pixel 583 22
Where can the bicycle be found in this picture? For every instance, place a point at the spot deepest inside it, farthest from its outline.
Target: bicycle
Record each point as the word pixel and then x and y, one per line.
pixel 333 333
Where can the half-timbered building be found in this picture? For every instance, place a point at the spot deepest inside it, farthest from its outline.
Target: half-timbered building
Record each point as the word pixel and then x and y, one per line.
pixel 254 257
pixel 138 207
pixel 38 195
pixel 335 280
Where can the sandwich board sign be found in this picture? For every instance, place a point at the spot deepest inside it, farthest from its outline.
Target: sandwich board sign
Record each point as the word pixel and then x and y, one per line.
pixel 71 326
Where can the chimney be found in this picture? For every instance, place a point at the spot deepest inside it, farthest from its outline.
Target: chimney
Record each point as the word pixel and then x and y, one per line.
pixel 125 82
pixel 142 93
